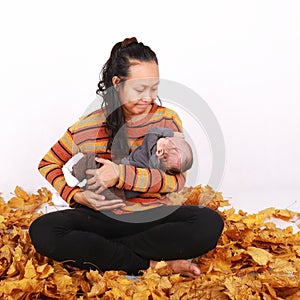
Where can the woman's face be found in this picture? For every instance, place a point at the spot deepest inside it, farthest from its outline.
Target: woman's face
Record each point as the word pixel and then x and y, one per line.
pixel 139 90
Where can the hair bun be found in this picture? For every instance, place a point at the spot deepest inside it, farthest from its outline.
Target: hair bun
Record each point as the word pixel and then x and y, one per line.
pixel 128 41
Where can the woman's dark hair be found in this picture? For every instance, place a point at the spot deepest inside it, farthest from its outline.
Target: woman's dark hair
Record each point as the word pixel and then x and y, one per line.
pixel 121 56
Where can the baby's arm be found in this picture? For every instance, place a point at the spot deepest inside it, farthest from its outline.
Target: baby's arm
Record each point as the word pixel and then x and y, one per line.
pixel 161 131
pixel 140 157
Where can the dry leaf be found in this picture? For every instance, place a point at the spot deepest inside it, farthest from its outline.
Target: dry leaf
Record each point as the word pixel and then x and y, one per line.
pixel 260 256
pixel 253 259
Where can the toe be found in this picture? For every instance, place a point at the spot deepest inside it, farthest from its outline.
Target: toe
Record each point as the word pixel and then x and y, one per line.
pixel 196 271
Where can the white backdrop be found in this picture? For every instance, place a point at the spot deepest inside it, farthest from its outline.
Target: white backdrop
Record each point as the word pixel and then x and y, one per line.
pixel 241 57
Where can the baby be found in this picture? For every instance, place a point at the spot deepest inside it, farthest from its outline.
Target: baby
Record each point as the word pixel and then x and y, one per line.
pixel 162 148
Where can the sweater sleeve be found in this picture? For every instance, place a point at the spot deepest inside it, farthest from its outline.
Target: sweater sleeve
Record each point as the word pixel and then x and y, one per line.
pixel 51 166
pixel 147 180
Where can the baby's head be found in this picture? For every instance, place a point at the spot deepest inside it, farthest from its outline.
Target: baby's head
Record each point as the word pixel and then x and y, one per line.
pixel 175 154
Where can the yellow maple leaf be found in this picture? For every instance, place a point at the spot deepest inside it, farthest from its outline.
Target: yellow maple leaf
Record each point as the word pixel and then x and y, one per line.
pixel 19 192
pixel 62 281
pixel 2 219
pixel 97 289
pixel 241 250
pixel 30 271
pixel 44 271
pixel 282 266
pixel 260 256
pixel 158 295
pixel 180 289
pixel 141 295
pixel 284 214
pixel 268 212
pixel 254 220
pixel 16 202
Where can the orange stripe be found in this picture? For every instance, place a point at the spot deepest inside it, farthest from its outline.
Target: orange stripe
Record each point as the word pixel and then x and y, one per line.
pixel 85 133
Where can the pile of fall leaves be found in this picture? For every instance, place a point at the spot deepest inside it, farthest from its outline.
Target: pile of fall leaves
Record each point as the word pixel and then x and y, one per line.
pixel 253 260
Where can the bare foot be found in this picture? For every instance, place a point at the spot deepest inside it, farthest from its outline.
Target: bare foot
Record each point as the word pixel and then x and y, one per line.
pixel 181 266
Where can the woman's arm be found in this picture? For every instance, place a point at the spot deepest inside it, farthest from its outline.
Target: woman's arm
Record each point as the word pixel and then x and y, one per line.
pixel 51 168
pixel 52 163
pixel 145 180
pixel 128 177
pixel 149 180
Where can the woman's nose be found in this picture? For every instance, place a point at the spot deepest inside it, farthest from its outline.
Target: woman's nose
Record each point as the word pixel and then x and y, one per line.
pixel 149 95
pixel 147 99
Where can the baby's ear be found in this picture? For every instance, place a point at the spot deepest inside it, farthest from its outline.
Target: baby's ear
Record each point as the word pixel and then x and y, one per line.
pixel 178 134
pixel 159 152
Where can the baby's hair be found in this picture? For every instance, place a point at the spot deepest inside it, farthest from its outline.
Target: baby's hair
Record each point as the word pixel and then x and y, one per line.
pixel 185 151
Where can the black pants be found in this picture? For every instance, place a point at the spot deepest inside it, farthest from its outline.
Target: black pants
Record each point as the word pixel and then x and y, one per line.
pixel 89 239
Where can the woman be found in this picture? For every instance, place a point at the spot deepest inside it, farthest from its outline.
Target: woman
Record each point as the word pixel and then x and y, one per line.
pixel 118 234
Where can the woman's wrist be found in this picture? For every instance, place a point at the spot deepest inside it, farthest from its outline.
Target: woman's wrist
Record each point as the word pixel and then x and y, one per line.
pixel 117 170
pixel 78 197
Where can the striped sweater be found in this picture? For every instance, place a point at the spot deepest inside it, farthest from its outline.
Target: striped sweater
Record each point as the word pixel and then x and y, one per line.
pixel 89 135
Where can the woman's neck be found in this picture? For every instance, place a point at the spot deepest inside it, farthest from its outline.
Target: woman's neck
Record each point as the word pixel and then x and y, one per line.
pixel 131 118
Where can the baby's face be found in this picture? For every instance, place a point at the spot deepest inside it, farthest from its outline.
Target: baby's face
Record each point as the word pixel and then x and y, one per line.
pixel 168 155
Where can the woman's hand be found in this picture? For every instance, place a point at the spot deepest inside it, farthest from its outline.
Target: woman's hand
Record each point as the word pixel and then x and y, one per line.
pixel 96 201
pixel 104 177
